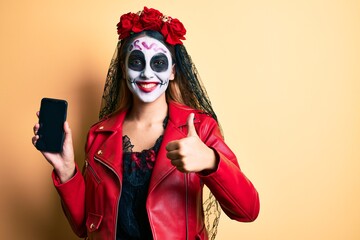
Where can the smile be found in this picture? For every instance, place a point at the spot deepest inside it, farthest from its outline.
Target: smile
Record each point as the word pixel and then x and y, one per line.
pixel 147 86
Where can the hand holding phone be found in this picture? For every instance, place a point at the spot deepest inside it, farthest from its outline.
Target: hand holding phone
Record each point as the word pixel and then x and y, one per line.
pixel 51 120
pixel 55 143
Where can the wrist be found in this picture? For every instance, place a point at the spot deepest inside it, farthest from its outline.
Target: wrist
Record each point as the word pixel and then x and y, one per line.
pixel 213 162
pixel 65 174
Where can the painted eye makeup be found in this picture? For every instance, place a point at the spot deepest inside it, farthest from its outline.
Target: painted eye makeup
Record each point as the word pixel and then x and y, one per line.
pixel 159 63
pixel 136 60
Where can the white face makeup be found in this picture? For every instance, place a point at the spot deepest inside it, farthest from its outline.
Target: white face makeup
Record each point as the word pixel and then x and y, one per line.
pixel 149 68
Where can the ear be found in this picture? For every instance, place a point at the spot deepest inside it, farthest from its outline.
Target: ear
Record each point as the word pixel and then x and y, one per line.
pixel 173 71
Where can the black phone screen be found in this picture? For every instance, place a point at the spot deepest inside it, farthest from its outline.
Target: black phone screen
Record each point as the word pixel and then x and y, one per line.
pixel 51 119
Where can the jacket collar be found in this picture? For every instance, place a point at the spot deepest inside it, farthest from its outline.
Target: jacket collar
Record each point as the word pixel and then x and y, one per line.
pixel 109 153
pixel 178 114
pixel 111 123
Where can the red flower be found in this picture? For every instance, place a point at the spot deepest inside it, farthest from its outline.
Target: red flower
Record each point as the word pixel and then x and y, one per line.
pixel 136 159
pixel 150 158
pixel 150 19
pixel 173 31
pixel 126 24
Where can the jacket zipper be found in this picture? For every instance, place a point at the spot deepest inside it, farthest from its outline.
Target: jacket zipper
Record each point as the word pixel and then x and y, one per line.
pixel 88 166
pixel 118 199
pixel 186 205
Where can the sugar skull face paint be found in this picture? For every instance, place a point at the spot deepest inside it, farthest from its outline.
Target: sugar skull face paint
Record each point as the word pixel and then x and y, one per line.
pixel 149 68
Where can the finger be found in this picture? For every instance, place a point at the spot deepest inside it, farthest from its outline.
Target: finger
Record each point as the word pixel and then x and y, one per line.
pixel 190 124
pixel 173 155
pixel 34 140
pixel 68 134
pixel 173 145
pixel 179 165
pixel 36 128
pixel 181 169
pixel 37 113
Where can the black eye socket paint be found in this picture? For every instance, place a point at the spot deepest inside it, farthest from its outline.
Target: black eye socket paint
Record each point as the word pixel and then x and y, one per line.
pixel 136 60
pixel 159 63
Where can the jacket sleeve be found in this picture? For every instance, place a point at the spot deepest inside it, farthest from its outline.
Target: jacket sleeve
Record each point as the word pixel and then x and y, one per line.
pixel 72 194
pixel 236 194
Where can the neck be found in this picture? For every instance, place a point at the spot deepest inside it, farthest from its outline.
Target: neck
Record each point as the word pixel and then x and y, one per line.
pixel 149 112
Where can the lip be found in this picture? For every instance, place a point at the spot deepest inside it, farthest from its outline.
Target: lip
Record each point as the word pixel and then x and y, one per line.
pixel 147 86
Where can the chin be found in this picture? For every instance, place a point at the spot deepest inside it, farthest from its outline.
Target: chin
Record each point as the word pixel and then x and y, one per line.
pixel 148 100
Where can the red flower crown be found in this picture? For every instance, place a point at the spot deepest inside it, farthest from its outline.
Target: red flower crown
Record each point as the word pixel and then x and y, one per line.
pixel 151 19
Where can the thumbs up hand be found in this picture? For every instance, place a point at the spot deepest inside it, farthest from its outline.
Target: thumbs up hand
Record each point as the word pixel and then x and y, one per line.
pixel 190 154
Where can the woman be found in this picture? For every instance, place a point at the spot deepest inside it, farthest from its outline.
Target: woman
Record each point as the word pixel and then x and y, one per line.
pixel 156 145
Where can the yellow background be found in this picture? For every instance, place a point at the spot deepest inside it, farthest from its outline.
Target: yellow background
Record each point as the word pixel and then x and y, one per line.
pixel 283 76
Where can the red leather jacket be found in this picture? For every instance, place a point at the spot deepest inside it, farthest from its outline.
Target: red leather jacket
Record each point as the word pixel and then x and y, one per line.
pixel 174 204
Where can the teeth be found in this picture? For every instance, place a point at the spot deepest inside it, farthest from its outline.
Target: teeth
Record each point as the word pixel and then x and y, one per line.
pixel 147 85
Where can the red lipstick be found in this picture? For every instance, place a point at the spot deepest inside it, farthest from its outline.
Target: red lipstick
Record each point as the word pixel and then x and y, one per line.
pixel 147 86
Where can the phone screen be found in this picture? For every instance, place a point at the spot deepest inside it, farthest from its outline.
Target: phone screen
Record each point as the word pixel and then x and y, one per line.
pixel 51 119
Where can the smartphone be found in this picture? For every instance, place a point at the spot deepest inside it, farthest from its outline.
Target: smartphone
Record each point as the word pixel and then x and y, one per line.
pixel 51 120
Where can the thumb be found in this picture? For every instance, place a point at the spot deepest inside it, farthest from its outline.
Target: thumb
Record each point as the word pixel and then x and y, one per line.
pixel 191 126
pixel 67 130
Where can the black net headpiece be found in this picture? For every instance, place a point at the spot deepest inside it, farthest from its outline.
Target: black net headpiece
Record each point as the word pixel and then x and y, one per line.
pixel 111 92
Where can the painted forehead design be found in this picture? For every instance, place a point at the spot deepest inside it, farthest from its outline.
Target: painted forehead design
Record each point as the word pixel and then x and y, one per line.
pixel 143 44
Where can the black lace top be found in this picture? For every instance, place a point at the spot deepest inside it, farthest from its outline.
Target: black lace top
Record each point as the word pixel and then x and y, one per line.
pixel 133 222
